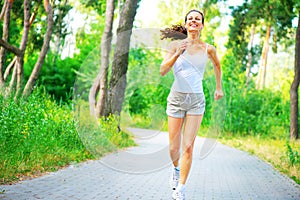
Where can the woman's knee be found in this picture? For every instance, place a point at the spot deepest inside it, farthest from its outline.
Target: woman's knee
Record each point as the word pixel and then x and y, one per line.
pixel 188 150
pixel 174 149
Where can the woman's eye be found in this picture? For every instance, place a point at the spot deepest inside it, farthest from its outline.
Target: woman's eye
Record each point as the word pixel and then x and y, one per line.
pixel 194 19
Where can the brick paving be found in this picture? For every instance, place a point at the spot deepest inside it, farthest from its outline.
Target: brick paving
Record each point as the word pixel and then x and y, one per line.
pixel 142 172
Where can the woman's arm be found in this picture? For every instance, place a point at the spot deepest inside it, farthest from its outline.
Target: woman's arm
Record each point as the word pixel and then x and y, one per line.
pixel 212 53
pixel 174 51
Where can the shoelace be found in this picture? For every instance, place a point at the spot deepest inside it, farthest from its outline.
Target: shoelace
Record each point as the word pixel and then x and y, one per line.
pixel 180 195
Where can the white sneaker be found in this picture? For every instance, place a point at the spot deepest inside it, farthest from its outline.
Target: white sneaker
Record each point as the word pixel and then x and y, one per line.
pixel 178 195
pixel 174 179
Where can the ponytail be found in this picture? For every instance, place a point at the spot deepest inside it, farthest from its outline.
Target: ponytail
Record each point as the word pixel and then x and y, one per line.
pixel 175 32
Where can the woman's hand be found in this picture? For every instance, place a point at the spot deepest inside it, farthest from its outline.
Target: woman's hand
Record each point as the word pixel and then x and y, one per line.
pixel 181 48
pixel 218 94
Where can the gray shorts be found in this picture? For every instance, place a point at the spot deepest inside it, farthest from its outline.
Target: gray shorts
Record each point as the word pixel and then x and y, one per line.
pixel 181 104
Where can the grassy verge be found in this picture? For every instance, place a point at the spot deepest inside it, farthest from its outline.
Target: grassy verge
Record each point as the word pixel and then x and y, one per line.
pixel 38 136
pixel 283 155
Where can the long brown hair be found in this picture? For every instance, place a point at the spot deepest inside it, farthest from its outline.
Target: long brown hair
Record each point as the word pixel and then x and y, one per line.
pixel 178 31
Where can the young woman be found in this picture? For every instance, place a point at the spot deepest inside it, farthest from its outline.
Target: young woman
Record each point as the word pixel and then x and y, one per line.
pixel 187 55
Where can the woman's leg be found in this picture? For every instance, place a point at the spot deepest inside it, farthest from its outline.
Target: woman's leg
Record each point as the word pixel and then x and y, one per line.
pixel 191 128
pixel 174 127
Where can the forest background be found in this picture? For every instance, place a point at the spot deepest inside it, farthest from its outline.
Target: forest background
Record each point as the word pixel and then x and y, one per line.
pixel 44 123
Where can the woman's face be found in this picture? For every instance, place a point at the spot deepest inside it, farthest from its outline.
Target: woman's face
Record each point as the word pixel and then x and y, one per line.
pixel 194 22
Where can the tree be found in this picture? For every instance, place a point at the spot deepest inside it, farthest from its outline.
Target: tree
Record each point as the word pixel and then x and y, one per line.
pixel 117 84
pixel 249 62
pixel 262 73
pixel 277 17
pixel 237 35
pixel 273 18
pixel 19 52
pixel 5 13
pixel 37 68
pixel 294 107
pixel 60 28
pixel 16 63
pixel 99 86
pixel 107 98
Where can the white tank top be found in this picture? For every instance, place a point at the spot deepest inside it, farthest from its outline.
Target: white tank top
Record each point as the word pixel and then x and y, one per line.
pixel 189 71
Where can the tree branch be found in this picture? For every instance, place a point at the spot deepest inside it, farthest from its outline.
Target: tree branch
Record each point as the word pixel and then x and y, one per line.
pixel 10 47
pixel 32 18
pixel 3 10
pixel 9 68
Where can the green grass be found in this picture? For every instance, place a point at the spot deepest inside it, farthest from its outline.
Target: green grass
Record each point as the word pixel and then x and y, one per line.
pixel 156 121
pixel 100 136
pixel 38 136
pixel 281 154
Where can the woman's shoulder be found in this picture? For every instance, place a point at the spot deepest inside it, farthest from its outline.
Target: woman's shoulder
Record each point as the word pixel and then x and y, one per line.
pixel 210 48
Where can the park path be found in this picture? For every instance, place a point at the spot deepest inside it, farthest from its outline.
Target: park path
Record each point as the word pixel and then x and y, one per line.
pixel 142 172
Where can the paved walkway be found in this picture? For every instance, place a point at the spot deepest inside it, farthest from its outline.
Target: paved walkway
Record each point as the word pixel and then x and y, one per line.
pixel 142 172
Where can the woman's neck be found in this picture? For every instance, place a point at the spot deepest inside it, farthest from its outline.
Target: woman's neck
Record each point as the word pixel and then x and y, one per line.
pixel 193 36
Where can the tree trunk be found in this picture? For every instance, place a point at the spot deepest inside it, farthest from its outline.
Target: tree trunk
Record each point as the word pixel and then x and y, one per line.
pixel 117 84
pixel 20 60
pixel 38 65
pixel 6 24
pixel 99 87
pixel 249 63
pixel 294 127
pixel 261 81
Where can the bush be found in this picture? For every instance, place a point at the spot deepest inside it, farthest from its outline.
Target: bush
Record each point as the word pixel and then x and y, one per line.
pixel 257 113
pixel 36 135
